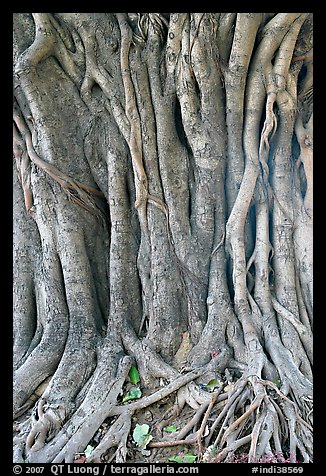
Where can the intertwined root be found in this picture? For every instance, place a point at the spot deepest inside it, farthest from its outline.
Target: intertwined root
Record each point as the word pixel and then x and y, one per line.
pixel 45 424
pixel 115 437
pixel 251 415
pixel 259 417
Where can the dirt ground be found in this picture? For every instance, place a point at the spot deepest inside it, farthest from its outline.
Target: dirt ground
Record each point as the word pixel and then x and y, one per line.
pixel 154 417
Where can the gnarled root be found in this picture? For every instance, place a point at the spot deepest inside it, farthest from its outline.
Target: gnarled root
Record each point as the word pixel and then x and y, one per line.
pixel 270 418
pixel 46 422
pixel 250 413
pixel 116 436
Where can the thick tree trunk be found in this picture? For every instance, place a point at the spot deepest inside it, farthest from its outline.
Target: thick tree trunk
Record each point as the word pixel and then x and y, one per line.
pixel 163 219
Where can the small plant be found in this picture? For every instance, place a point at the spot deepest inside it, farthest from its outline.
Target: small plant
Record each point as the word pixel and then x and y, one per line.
pixel 133 394
pixel 135 391
pixel 82 457
pixel 141 436
pixel 134 375
pixel 170 429
pixel 183 458
pixel 212 384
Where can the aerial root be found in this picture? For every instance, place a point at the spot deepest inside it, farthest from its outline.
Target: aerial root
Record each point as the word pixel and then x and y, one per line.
pixel 46 422
pixel 269 420
pixel 116 436
pixel 196 437
pixel 253 414
pixel 118 433
pixel 74 436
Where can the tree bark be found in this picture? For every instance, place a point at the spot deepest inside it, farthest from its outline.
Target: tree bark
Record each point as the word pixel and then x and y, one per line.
pixel 163 207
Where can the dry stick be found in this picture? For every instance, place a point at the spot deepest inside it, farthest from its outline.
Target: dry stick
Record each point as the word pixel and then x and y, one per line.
pixel 167 444
pixel 219 244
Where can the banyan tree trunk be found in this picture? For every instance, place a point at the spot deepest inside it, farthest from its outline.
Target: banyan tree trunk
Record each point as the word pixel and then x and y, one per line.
pixel 163 220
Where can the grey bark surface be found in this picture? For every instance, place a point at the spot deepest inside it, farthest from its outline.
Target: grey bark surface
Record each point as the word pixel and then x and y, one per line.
pixel 163 217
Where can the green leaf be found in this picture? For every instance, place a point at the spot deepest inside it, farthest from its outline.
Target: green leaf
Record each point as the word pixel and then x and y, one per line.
pixel 186 458
pixel 213 384
pixel 139 432
pixel 141 436
pixel 144 441
pixel 175 459
pixel 189 458
pixel 133 394
pixel 134 375
pixel 88 450
pixel 277 382
pixel 170 429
